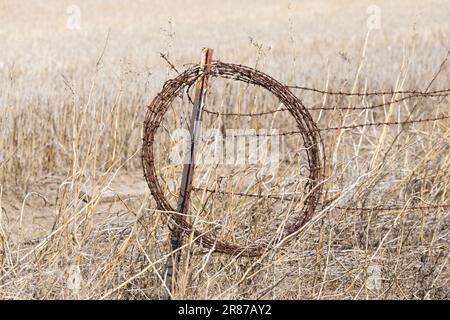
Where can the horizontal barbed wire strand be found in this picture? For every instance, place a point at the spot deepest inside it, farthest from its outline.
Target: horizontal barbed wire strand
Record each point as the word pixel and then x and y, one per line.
pixel 348 208
pixel 445 93
pixel 367 94
pixel 354 126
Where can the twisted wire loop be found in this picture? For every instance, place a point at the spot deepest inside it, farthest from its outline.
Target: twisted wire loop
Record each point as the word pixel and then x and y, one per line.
pixel 308 130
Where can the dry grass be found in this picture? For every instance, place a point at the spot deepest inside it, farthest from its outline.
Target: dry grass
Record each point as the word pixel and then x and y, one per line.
pixel 71 120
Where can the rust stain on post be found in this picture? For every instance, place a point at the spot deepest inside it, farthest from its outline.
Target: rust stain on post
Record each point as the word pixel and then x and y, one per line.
pixel 201 87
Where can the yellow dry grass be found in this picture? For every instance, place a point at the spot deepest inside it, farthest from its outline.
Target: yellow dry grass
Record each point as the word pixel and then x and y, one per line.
pixel 72 104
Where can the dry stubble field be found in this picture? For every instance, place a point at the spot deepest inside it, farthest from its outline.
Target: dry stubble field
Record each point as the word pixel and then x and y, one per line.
pixel 77 220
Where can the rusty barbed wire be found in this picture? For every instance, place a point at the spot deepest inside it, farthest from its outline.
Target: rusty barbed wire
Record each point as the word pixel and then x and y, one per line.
pixel 354 126
pixel 368 94
pixel 307 129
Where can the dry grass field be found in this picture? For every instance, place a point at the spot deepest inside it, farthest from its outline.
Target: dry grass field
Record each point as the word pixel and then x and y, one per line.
pixel 78 221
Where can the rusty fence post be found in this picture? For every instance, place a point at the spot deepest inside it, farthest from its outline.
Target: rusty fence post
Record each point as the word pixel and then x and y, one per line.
pixel 176 237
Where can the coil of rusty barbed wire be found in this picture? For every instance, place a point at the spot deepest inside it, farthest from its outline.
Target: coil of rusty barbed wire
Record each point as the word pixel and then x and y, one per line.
pixel 307 129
